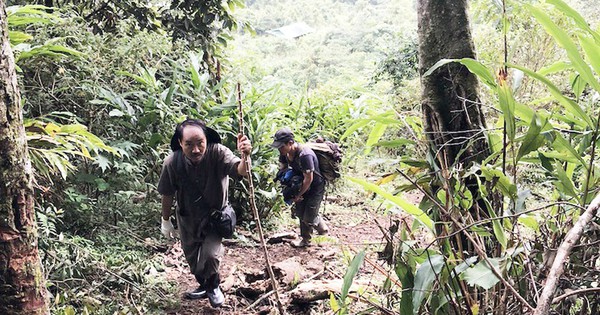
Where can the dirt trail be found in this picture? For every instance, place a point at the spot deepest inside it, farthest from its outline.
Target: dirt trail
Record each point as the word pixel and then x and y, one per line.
pixel 352 228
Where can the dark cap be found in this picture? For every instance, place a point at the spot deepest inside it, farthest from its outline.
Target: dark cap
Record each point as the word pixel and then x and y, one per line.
pixel 282 136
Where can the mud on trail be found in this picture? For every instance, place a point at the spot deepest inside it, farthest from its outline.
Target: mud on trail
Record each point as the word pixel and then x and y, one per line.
pixel 305 276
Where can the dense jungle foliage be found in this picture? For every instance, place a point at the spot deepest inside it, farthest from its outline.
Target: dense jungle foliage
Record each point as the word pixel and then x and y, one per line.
pixel 104 83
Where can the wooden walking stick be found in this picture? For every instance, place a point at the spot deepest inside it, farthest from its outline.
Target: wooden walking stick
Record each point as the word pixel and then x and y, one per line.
pixel 255 210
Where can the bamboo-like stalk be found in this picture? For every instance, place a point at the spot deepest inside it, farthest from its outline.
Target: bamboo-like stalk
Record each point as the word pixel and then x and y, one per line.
pixel 246 160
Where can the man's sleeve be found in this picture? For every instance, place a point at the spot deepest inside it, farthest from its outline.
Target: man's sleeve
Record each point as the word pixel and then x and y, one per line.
pixel 166 182
pixel 230 161
pixel 307 163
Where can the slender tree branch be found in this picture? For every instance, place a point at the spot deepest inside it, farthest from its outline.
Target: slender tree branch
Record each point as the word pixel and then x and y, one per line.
pixel 574 292
pixel 562 256
pixel 509 216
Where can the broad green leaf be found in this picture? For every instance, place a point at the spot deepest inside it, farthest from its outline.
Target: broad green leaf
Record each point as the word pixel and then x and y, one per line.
pixel 350 274
pixel 464 265
pixel 19 20
pixel 579 20
pixel 507 105
pixel 333 303
pixel 564 40
pixel 565 149
pixel 443 197
pixel 569 104
pixel 558 156
pixel 357 125
pixel 424 278
pixel 386 118
pixel 30 9
pixel 498 230
pixel 394 143
pixel 408 207
pixel 530 222
pixel 564 182
pixel 555 67
pixel 404 273
pixel 474 66
pixel 533 139
pixel 578 85
pixel 69 310
pixel 195 77
pixel 376 133
pixel 480 70
pixel 437 65
pixel 169 96
pixel 504 184
pixel 137 78
pixel 386 179
pixel 63 50
pixel 155 140
pixel 73 128
pixel 592 51
pixel 481 275
pixel 84 151
pixel 17 37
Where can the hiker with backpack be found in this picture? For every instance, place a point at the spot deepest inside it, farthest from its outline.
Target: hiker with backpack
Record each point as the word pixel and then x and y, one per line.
pixel 197 175
pixel 303 160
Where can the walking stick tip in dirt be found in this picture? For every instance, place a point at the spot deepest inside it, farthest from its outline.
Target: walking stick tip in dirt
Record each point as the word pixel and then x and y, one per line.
pixel 246 160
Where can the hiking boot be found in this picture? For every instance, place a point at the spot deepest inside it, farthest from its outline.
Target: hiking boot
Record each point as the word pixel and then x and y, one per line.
pixel 322 228
pixel 215 297
pixel 301 243
pixel 199 293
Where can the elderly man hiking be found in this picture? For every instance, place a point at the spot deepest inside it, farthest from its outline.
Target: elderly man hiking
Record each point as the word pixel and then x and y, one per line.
pixel 303 160
pixel 197 175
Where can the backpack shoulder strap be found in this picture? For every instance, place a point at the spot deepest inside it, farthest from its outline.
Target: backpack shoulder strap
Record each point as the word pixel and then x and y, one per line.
pixel 179 166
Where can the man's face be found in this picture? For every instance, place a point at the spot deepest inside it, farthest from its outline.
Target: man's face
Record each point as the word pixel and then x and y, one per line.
pixel 286 148
pixel 193 142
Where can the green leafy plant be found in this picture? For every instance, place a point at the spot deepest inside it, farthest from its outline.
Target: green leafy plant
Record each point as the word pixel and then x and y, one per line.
pixel 340 305
pixel 52 145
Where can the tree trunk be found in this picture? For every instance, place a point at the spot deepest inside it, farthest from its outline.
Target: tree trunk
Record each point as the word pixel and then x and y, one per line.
pixel 22 283
pixel 452 117
pixel 453 120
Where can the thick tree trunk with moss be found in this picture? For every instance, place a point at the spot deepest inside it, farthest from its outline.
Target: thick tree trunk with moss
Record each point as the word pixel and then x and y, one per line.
pixel 22 284
pixel 452 113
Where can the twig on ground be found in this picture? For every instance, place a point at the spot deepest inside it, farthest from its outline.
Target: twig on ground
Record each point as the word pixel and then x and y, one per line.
pixel 262 297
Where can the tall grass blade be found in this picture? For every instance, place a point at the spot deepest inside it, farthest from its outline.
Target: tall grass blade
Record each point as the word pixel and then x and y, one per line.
pixel 411 209
pixel 579 20
pixel 584 120
pixel 350 274
pixel 563 39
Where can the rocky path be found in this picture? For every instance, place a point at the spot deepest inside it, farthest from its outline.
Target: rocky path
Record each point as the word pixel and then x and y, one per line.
pixel 305 276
